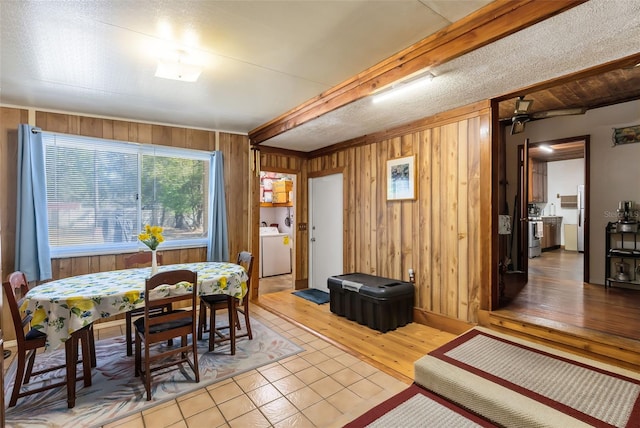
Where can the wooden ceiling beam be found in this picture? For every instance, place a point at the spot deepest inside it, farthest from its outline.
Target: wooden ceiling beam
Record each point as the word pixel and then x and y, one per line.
pixel 494 21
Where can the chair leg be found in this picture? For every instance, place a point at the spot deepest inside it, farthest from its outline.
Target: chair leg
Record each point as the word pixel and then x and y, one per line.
pixel 87 355
pixel 194 351
pixel 138 358
pixel 17 384
pixel 147 372
pixel 202 317
pixel 71 354
pixel 128 334
pixel 232 321
pixel 31 360
pixel 212 328
pixel 246 320
pixel 92 347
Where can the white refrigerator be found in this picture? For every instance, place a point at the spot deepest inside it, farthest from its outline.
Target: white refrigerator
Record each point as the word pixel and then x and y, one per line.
pixel 581 218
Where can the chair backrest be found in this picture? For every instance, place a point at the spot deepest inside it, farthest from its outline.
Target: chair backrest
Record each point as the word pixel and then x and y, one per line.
pixel 167 288
pixel 245 259
pixel 140 259
pixel 17 285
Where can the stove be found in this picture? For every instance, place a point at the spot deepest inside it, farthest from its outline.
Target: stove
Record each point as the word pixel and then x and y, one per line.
pixel 535 228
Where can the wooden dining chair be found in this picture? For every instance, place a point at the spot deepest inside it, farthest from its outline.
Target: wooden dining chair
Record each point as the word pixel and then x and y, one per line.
pixel 155 326
pixel 218 302
pixel 139 259
pixel 29 340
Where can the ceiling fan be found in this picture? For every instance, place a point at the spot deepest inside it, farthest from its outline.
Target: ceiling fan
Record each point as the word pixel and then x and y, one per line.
pixel 521 114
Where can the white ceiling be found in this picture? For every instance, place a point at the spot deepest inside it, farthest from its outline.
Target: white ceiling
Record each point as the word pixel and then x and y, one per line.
pixel 263 58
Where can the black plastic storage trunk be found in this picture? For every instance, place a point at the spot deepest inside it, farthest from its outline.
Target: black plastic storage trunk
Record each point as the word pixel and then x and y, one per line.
pixel 382 304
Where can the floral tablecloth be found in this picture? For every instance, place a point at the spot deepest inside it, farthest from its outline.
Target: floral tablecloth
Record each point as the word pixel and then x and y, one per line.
pixel 63 306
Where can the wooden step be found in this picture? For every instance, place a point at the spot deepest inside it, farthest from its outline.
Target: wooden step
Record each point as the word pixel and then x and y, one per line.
pixel 615 350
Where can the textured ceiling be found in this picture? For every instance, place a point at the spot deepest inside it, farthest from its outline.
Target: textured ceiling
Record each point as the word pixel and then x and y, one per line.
pixel 261 58
pixel 592 33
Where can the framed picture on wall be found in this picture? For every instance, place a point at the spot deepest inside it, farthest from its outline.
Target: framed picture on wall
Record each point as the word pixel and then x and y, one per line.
pixel 401 179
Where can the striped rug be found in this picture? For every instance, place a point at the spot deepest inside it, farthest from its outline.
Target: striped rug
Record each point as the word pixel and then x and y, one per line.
pixel 417 407
pixel 516 382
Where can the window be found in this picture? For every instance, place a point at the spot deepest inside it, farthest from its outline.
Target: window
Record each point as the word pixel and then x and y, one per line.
pixel 100 193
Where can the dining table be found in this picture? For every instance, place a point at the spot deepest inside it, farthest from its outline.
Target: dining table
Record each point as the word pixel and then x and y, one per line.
pixel 65 305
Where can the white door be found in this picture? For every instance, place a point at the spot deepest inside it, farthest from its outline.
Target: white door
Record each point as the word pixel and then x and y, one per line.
pixel 325 229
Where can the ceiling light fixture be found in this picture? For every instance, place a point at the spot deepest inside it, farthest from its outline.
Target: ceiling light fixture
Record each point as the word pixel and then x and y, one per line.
pixel 546 148
pixel 178 66
pixel 403 87
pixel 522 105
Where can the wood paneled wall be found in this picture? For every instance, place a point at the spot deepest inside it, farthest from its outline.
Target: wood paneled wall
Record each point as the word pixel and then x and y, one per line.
pixel 235 150
pixel 440 234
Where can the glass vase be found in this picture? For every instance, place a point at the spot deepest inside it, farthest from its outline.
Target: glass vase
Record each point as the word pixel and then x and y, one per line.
pixel 154 263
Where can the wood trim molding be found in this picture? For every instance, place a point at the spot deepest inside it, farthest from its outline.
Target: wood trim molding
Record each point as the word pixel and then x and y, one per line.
pixel 494 21
pixel 326 172
pixel 281 151
pixel 440 322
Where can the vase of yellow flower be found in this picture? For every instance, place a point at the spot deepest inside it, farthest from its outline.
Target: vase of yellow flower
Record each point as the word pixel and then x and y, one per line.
pixel 151 236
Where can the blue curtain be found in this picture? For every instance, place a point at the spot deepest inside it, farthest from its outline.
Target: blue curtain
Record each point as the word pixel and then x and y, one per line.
pixel 32 228
pixel 218 248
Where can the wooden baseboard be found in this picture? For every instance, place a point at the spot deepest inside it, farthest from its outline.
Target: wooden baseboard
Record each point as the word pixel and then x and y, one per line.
pixel 440 322
pixel 301 284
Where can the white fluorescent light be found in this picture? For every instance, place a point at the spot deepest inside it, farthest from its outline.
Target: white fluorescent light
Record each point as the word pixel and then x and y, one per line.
pixel 546 148
pixel 403 88
pixel 178 71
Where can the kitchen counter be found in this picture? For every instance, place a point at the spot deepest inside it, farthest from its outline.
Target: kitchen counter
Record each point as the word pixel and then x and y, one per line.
pixel 552 232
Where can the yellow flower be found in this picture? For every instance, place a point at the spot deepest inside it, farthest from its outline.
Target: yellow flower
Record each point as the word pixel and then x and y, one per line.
pixel 39 316
pixel 223 282
pixel 151 236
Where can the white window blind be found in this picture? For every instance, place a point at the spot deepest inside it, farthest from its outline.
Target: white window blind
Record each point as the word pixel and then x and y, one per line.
pixel 100 193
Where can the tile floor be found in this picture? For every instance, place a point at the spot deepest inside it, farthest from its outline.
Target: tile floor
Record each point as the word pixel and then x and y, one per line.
pixel 273 284
pixel 323 386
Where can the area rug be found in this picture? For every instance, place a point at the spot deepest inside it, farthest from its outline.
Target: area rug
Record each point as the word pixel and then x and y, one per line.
pixel 313 295
pixel 512 381
pixel 116 393
pixel 417 407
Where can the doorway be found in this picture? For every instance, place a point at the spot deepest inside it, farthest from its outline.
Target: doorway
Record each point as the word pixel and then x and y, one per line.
pixel 555 191
pixel 325 229
pixel 277 241
pixel 557 176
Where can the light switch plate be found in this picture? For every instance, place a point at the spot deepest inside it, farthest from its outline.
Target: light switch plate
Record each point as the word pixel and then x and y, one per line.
pixel 504 224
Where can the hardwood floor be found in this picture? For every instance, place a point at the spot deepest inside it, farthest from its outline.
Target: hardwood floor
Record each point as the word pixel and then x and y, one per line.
pixel 554 305
pixel 393 352
pixel 555 292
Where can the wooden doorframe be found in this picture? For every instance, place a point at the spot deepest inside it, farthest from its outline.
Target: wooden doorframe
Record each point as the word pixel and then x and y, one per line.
pixel 587 168
pixel 297 208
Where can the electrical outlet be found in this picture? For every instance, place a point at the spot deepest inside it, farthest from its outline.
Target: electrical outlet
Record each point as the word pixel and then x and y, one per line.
pixel 302 226
pixel 412 275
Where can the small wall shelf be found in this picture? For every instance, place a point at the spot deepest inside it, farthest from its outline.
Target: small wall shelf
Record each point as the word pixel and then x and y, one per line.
pixel 273 205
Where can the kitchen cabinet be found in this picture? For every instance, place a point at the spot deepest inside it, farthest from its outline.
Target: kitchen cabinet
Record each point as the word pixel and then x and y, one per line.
pixel 537 180
pixel 622 257
pixel 551 233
